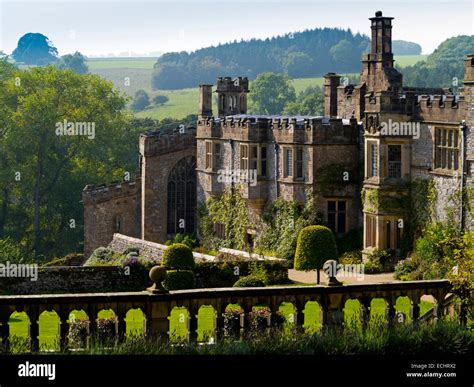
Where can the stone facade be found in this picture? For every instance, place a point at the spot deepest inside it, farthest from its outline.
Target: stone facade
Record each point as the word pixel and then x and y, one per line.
pixel 410 134
pixel 365 140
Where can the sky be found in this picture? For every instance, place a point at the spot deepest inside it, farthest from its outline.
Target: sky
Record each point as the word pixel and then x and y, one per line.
pixel 144 26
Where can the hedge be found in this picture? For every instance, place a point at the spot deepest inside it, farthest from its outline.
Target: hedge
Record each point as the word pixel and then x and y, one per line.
pixel 182 279
pixel 178 256
pixel 316 244
pixel 250 281
pixel 223 274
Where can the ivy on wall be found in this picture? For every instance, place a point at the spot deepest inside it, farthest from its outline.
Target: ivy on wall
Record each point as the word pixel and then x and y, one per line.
pixel 229 210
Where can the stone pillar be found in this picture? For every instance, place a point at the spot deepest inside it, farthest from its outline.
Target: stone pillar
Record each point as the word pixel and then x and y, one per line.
pixel 245 319
pixel 365 312
pixel 92 314
pixel 390 313
pixel 34 331
pixel 159 323
pixel 332 314
pixel 5 333
pixel 415 309
pixel 63 331
pixel 121 327
pixel 299 319
pixel 192 325
pixel 219 323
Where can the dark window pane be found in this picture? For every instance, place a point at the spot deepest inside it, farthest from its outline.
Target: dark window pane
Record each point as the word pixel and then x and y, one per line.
pixel 331 206
pixel 341 222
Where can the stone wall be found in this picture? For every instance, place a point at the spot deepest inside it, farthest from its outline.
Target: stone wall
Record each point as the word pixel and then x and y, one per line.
pixel 108 209
pixel 146 249
pixel 78 280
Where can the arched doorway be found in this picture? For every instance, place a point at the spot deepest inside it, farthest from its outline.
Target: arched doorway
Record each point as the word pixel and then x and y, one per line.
pixel 182 197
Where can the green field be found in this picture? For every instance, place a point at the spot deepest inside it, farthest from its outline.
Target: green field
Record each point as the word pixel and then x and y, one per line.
pixel 135 321
pixel 132 74
pixel 409 60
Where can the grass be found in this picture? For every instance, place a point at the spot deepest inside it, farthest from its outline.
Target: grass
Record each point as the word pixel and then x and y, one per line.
pixel 132 74
pixel 49 328
pixel 408 60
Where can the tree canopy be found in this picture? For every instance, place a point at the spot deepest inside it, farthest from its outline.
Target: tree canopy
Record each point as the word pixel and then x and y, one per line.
pixel 35 49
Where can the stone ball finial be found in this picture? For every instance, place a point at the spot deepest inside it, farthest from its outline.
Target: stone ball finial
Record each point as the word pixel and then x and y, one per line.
pixel 157 275
pixel 378 14
pixel 330 268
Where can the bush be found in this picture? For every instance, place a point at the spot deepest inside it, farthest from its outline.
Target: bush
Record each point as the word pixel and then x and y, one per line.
pixel 404 269
pixel 250 281
pixel 102 256
pixel 351 258
pixel 183 279
pixel 106 329
pixel 178 256
pixel 232 323
pixel 160 99
pixel 189 240
pixel 131 249
pixel 78 332
pixel 315 246
pixel 379 262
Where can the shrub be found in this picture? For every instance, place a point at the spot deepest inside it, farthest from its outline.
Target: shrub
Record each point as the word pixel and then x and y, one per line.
pixel 102 256
pixel 405 268
pixel 106 328
pixel 77 335
pixel 232 323
pixel 131 249
pixel 178 256
pixel 378 262
pixel 351 257
pixel 182 279
pixel 315 245
pixel 249 281
pixel 189 240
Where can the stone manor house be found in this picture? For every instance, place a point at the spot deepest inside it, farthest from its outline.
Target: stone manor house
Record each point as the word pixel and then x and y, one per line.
pixel 360 159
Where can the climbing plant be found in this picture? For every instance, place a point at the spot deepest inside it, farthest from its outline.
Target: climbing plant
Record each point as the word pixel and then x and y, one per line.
pixel 229 210
pixel 282 223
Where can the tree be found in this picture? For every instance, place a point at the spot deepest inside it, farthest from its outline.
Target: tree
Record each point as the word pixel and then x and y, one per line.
pixel 160 99
pixel 298 64
pixel 270 93
pixel 402 47
pixel 315 245
pixel 140 100
pixel 35 49
pixel 310 102
pixel 44 172
pixel 75 62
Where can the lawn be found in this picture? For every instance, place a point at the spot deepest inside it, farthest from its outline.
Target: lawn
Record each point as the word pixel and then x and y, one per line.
pixel 409 60
pixel 49 320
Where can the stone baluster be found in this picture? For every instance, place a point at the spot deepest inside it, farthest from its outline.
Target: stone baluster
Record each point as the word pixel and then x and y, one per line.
pixel 332 314
pixel 390 312
pixel 299 316
pixel 63 330
pixel 219 322
pixel 92 314
pixel 364 312
pixel 245 320
pixel 33 314
pixel 121 326
pixel 415 309
pixel 158 322
pixel 5 332
pixel 193 324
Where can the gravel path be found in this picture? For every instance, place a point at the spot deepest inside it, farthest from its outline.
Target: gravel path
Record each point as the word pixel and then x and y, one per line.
pixel 309 277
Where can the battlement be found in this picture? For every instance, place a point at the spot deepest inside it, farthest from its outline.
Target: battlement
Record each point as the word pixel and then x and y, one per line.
pixel 228 84
pixel 154 143
pixel 104 192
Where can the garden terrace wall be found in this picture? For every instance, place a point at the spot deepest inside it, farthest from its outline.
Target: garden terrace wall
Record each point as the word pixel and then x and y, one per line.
pixel 77 279
pixel 157 307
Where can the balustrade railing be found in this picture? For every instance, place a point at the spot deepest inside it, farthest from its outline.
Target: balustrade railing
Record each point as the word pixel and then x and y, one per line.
pixel 157 308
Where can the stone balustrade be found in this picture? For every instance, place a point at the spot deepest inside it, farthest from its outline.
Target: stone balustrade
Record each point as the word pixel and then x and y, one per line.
pixel 157 307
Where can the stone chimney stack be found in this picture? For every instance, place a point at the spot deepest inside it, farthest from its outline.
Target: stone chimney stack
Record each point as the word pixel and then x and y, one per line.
pixel 331 82
pixel 205 100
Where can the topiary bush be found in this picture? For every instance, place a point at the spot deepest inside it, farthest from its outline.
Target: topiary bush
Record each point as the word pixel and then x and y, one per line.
pixel 178 256
pixel 250 281
pixel 316 244
pixel 182 279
